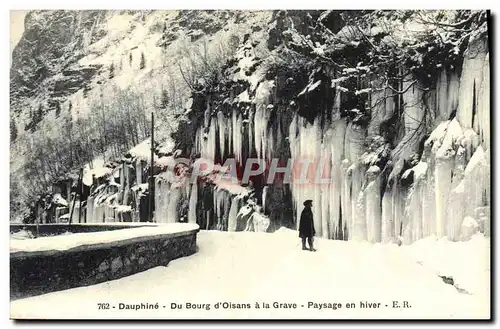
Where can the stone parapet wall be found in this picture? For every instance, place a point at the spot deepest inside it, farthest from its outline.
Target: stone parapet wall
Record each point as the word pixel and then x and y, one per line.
pixel 34 272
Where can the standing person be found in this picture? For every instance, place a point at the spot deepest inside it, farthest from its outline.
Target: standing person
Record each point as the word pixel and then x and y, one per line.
pixel 306 226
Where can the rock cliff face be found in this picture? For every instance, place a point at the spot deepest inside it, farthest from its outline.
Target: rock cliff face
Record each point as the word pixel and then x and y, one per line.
pixel 51 43
pixel 406 158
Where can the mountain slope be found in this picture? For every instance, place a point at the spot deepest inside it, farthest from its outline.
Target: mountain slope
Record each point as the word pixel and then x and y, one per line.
pixel 93 77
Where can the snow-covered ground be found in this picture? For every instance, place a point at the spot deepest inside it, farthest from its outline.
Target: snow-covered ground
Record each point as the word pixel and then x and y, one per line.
pixel 247 267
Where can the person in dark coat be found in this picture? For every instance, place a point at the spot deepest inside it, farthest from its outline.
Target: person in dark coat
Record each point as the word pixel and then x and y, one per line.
pixel 306 226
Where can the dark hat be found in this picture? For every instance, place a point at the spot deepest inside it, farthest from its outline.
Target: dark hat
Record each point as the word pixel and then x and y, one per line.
pixel 308 202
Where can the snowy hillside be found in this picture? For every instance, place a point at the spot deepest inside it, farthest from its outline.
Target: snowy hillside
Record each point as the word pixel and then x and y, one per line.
pixel 83 85
pixel 245 268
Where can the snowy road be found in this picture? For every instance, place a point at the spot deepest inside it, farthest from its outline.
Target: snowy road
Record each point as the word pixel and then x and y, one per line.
pixel 245 268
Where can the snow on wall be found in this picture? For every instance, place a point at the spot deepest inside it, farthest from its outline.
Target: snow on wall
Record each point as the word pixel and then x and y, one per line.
pixel 66 242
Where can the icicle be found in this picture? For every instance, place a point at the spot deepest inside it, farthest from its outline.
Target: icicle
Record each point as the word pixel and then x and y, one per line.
pixel 307 146
pixel 346 198
pixel 158 200
pixel 221 120
pixel 447 91
pixel 477 180
pixel 359 225
pixel 90 210
pixel 219 199
pixel 387 229
pixel 269 145
pixel 233 213
pixel 227 198
pixel 230 132
pixel 335 141
pixel 398 203
pixel 122 175
pixel 357 205
pixel 413 112
pixel 261 116
pixel 483 105
pixel 414 215
pixel 138 172
pixel 235 132
pixel 239 139
pixel 470 82
pixel 292 132
pixel 237 135
pixel 260 124
pixel 324 163
pixel 455 212
pixel 250 130
pixel 442 104
pixel 455 204
pixel 265 191
pixel 354 142
pixel 373 209
pixel 212 140
pixel 443 185
pixel 216 203
pixel 162 191
pixel 444 154
pixel 173 202
pixel 427 165
pixel 193 200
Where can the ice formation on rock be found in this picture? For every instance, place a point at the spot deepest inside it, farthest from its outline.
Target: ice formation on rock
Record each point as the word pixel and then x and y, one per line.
pixel 435 184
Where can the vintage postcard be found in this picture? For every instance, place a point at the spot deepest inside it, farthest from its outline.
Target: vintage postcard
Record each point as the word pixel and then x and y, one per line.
pixel 250 164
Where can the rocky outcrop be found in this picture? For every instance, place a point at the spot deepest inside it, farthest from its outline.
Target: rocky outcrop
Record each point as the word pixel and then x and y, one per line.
pixel 52 41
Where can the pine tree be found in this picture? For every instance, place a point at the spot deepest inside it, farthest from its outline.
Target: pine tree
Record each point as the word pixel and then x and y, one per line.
pixel 143 61
pixel 70 107
pixel 130 59
pixel 13 130
pixel 37 117
pixel 164 98
pixel 39 113
pixel 112 71
pixel 58 109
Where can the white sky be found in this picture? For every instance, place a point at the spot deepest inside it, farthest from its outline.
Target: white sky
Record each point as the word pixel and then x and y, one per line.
pixel 16 27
